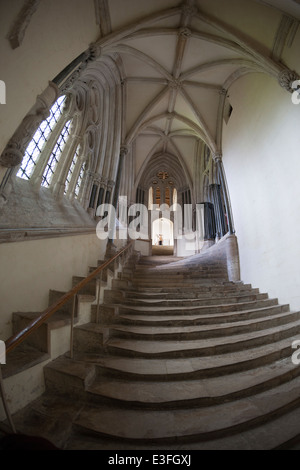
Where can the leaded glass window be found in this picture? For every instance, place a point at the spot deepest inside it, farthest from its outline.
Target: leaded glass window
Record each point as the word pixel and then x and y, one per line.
pixel 40 138
pixel 55 155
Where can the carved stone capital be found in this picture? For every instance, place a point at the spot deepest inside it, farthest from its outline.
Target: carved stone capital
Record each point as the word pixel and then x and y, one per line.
pixel 217 157
pixel 12 156
pixel 94 52
pixel 97 178
pixel 286 78
pixel 223 92
pixel 68 85
pixel 110 185
pixel 124 151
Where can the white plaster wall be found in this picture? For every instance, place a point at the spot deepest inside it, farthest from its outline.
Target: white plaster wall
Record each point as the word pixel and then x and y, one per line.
pixel 29 269
pixel 262 164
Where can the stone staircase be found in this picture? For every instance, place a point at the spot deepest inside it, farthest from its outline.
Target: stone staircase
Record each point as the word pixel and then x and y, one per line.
pixel 181 358
pixel 23 373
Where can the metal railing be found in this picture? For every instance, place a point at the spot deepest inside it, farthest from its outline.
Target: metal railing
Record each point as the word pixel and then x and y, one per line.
pixel 20 337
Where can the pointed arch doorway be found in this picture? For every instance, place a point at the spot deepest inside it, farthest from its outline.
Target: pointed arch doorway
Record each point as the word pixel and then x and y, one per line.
pixel 162 237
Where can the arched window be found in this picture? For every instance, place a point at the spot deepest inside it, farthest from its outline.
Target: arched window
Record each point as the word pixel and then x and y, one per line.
pixel 40 139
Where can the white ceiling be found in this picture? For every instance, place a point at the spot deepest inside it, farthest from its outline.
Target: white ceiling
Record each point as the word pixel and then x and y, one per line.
pixel 177 58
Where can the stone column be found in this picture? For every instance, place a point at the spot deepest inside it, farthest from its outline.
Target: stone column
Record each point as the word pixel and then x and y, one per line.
pixel 123 153
pixel 233 259
pixel 111 248
pixel 219 164
pixel 219 211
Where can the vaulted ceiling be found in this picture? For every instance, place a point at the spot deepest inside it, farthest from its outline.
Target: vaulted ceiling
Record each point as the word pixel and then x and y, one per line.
pixel 179 60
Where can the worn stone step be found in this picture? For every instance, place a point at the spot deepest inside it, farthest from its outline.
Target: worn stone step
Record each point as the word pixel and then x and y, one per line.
pixel 40 338
pixel 68 376
pixel 210 346
pixel 280 432
pixel 88 289
pixel 204 309
pixel 193 283
pixel 23 358
pixel 189 393
pixel 193 424
pixel 200 331
pixel 201 288
pixel 195 302
pixel 194 319
pixel 177 276
pixel 90 337
pixel 185 295
pixel 170 369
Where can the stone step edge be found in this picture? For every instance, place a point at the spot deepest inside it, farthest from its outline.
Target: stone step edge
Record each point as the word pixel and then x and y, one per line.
pixel 173 369
pixel 210 423
pixel 122 331
pixel 194 347
pixel 278 378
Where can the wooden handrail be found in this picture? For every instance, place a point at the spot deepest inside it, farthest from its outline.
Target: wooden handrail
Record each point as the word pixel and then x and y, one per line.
pixel 18 338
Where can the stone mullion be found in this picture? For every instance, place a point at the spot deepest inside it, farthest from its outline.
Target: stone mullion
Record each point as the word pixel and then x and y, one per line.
pixel 101 193
pixel 109 143
pixel 95 186
pixel 88 187
pixel 63 166
pixel 76 171
pixel 117 136
pixel 104 133
pixel 123 153
pixel 82 196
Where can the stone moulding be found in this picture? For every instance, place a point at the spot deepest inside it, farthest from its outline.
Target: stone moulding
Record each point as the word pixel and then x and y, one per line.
pixel 286 78
pixel 20 25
